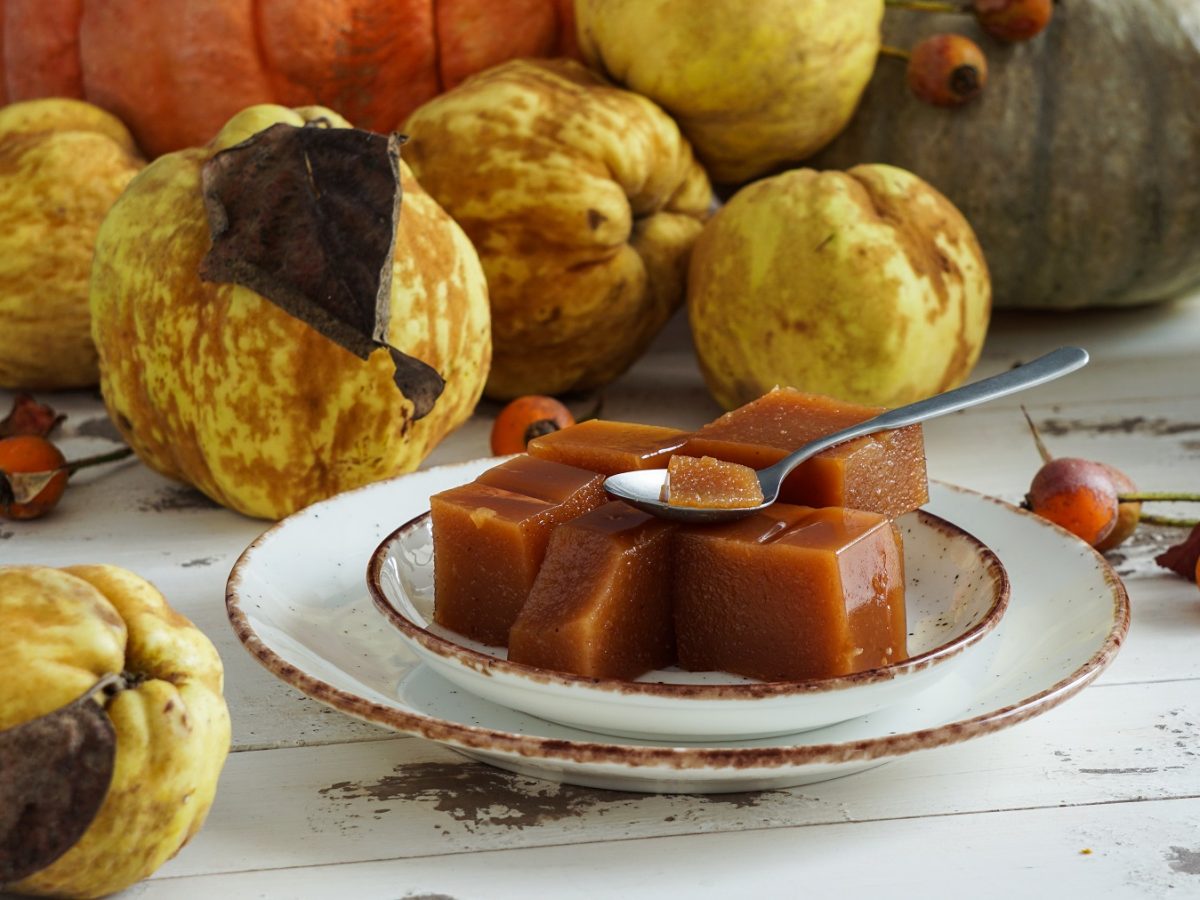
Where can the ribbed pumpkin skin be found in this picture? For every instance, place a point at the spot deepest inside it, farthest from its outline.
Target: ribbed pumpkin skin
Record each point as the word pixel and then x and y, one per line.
pixel 175 70
pixel 1077 166
pixel 214 385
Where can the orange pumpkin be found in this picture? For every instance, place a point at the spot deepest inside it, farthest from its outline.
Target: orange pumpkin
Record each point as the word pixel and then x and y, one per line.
pixel 175 70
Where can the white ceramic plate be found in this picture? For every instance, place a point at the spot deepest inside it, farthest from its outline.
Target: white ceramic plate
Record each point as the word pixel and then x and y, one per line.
pixel 956 593
pixel 298 600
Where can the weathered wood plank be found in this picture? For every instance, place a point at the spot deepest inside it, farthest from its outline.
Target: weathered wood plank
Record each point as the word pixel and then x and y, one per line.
pixel 411 798
pixel 1118 850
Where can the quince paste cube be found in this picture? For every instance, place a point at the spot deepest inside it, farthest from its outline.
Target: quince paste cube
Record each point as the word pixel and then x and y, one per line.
pixel 790 594
pixel 601 605
pixel 882 473
pixel 707 483
pixel 489 538
pixel 543 480
pixel 610 447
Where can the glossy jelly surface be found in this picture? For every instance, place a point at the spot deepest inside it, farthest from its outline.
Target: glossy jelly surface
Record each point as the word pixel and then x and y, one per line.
pixel 489 540
pixel 790 594
pixel 610 447
pixel 883 473
pixel 601 605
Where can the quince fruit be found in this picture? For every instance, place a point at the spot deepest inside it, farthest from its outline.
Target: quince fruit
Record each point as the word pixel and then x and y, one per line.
pixel 64 630
pixel 583 200
pixel 865 285
pixel 214 384
pixel 752 85
pixel 62 164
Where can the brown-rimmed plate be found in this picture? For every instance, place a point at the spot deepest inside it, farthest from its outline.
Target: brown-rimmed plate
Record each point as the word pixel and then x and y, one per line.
pixel 298 600
pixel 956 593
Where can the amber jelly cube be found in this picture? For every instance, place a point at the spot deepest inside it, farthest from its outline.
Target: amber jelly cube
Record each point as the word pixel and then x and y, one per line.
pixel 601 605
pixel 790 594
pixel 610 447
pixel 544 480
pixel 489 541
pixel 882 473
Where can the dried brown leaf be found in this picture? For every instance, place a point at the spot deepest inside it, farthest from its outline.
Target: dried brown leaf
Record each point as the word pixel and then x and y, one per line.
pixel 54 776
pixel 28 416
pixel 306 217
pixel 1181 558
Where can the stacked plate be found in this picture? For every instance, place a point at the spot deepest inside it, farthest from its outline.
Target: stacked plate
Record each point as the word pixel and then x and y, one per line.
pixel 1008 616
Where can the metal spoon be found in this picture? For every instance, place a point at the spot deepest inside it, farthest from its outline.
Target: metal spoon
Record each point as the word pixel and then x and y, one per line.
pixel 644 489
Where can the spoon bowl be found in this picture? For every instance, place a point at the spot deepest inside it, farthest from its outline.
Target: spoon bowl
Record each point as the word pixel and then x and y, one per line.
pixel 649 489
pixel 635 487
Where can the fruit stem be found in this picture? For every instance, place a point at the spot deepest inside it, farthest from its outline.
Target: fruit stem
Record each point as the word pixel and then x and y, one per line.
pixel 939 6
pixel 1152 519
pixel 23 487
pixel 1037 437
pixel 75 465
pixel 109 685
pixel 1158 497
pixel 894 52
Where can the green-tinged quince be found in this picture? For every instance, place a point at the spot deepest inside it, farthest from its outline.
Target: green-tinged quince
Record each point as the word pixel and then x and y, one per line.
pixel 865 285
pixel 752 85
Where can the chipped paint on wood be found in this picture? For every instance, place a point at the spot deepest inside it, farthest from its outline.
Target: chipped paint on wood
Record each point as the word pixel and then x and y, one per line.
pixel 1135 557
pixel 200 561
pixel 176 498
pixel 1181 859
pixel 1143 770
pixel 1143 425
pixel 481 797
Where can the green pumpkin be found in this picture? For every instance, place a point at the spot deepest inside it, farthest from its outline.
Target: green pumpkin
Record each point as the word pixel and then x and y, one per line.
pixel 1078 166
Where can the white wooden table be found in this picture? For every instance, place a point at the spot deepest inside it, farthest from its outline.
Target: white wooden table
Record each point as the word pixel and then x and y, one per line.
pixel 1097 798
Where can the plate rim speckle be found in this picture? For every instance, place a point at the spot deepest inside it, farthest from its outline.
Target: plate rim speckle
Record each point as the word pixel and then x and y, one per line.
pixel 563 752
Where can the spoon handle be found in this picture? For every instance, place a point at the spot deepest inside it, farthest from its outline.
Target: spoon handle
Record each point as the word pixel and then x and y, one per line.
pixel 1045 368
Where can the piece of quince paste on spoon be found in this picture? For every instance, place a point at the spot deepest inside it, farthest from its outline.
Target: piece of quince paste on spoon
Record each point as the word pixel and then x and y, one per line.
pixel 707 483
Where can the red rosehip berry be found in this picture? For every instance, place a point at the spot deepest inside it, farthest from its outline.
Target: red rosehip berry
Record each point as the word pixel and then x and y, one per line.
pixel 1013 20
pixel 947 70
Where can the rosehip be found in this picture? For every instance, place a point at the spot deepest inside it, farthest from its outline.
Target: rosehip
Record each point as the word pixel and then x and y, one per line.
pixel 29 453
pixel 1013 20
pixel 947 70
pixel 526 418
pixel 1077 494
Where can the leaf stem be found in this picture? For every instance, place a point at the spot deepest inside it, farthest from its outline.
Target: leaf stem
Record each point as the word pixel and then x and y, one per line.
pixel 1037 436
pixel 894 52
pixel 1158 497
pixel 941 6
pixel 109 685
pixel 73 466
pixel 1152 519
